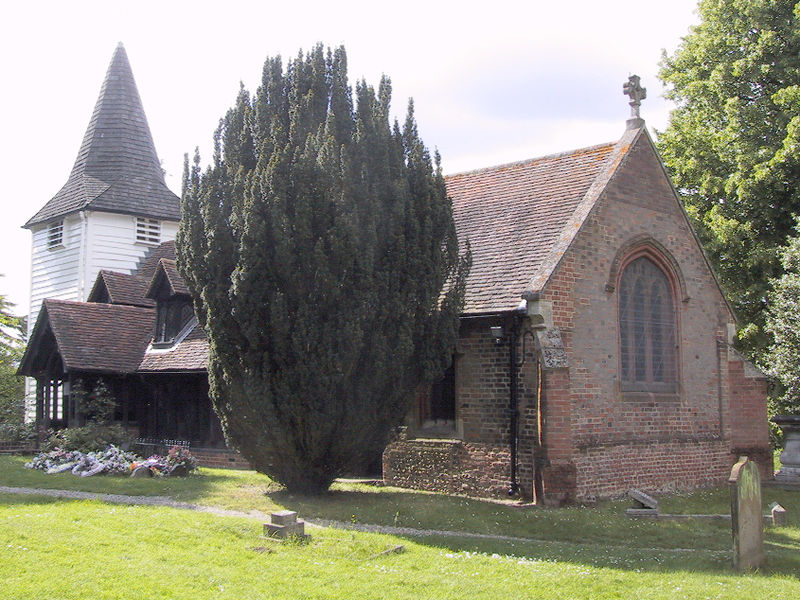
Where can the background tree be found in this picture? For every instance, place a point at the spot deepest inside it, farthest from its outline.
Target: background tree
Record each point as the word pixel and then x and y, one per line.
pixel 783 317
pixel 12 386
pixel 732 144
pixel 321 253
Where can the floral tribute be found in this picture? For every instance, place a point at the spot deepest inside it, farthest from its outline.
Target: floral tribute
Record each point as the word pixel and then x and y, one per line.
pixel 179 461
pixel 113 461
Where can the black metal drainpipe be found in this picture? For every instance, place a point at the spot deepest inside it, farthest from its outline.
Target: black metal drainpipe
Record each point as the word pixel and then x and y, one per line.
pixel 513 369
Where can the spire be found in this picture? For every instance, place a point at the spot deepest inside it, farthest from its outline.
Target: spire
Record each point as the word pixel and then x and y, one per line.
pixel 117 168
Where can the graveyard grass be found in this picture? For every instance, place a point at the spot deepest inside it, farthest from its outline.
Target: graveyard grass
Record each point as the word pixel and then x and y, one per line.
pixel 78 549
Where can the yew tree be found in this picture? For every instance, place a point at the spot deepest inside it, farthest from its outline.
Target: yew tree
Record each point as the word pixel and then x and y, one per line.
pixel 320 249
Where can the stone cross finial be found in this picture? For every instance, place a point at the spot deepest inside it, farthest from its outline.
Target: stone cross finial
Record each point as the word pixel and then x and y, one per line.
pixel 636 92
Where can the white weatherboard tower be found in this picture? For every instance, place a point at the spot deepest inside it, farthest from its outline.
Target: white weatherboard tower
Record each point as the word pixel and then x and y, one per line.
pixel 114 207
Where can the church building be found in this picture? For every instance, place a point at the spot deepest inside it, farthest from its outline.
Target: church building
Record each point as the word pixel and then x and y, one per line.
pixel 595 351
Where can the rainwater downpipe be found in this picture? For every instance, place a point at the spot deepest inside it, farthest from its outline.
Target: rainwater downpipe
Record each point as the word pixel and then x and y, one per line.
pixel 538 457
pixel 513 369
pixel 721 346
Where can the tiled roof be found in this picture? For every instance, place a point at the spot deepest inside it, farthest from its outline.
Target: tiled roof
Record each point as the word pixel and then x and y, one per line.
pixel 107 338
pixel 513 215
pixel 147 266
pixel 169 269
pixel 121 289
pixel 190 354
pixel 117 169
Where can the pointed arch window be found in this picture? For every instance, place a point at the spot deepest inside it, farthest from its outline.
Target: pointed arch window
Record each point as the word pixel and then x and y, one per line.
pixel 648 328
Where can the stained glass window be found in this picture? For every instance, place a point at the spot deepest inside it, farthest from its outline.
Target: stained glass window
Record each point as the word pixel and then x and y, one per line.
pixel 647 328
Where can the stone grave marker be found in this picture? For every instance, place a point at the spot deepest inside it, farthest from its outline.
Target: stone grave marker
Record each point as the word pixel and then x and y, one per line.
pixel 746 517
pixel 141 471
pixel 790 457
pixel 778 514
pixel 643 505
pixel 285 524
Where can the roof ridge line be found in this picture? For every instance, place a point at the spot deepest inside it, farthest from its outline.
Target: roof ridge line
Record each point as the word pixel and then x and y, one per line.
pixel 515 163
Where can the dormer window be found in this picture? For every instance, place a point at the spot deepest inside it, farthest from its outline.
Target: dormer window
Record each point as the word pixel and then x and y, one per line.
pixel 172 315
pixel 55 235
pixel 174 309
pixel 148 231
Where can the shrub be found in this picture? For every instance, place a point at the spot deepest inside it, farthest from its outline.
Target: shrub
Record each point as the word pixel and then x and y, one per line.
pixel 92 437
pixel 17 432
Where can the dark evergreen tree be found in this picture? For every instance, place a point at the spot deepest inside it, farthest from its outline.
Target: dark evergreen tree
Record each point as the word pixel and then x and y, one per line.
pixel 321 253
pixel 732 143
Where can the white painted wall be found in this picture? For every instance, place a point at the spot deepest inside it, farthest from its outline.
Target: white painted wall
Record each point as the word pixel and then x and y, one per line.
pixel 92 241
pixel 111 245
pixel 54 272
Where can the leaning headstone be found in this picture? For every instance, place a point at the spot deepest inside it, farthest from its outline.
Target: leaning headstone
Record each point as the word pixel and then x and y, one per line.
pixel 778 514
pixel 179 471
pixel 642 500
pixel 643 505
pixel 746 518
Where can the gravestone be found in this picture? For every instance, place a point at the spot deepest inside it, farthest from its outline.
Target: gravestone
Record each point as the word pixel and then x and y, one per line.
pixel 746 518
pixel 285 524
pixel 790 457
pixel 778 514
pixel 141 471
pixel 643 505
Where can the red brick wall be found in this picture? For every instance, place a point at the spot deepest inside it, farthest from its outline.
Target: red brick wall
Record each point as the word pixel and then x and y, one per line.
pixel 224 458
pixel 476 458
pixel 748 415
pixel 613 440
pixel 599 441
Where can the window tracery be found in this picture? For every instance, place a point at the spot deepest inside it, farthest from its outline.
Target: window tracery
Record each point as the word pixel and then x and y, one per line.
pixel 648 328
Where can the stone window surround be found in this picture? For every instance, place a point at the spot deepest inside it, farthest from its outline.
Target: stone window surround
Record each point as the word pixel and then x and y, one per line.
pixel 647 247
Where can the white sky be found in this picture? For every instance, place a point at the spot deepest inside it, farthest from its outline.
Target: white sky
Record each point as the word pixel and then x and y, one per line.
pixel 492 82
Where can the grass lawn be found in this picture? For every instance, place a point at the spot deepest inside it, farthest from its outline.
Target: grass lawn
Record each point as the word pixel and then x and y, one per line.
pixel 87 549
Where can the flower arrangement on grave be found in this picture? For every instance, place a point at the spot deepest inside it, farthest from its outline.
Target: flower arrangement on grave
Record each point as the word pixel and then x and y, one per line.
pixel 179 458
pixel 113 461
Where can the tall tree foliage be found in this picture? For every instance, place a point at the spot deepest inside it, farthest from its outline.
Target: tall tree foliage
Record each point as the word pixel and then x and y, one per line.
pixel 732 144
pixel 783 316
pixel 12 386
pixel 321 252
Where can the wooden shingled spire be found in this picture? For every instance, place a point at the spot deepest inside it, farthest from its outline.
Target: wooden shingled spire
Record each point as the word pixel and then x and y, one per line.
pixel 117 169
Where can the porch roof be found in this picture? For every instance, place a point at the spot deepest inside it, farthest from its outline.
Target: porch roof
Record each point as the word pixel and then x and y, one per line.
pixel 92 337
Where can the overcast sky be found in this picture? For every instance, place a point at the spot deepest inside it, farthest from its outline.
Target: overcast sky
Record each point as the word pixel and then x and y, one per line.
pixel 492 82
